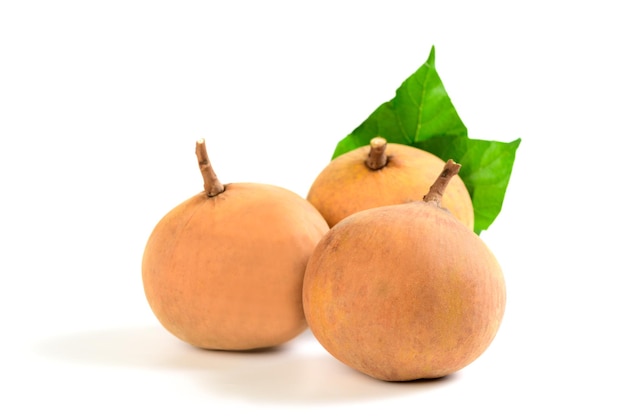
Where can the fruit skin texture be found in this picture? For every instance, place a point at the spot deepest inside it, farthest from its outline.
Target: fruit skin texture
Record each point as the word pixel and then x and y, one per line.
pixel 225 272
pixel 346 185
pixel 403 292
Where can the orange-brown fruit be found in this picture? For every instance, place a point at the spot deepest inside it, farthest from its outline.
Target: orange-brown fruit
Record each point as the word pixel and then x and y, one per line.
pixel 382 174
pixel 224 269
pixel 404 292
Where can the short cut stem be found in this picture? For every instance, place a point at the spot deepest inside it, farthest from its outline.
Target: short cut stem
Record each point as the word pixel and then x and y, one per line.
pixel 377 158
pixel 435 194
pixel 212 185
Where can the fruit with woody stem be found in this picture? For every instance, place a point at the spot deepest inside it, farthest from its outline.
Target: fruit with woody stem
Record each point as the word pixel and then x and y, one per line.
pixel 223 270
pixel 405 291
pixel 383 174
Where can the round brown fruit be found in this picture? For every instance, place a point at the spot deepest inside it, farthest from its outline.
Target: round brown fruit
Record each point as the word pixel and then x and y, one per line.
pixel 224 269
pixel 382 174
pixel 404 292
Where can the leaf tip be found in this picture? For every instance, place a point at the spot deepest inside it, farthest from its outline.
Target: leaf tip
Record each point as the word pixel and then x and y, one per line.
pixel 431 56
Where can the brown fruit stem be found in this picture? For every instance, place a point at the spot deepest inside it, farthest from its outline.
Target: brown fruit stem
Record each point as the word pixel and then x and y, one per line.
pixel 435 194
pixel 377 159
pixel 212 185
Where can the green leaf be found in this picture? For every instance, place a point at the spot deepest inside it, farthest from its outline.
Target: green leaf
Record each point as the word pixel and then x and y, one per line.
pixel 422 115
pixel 486 169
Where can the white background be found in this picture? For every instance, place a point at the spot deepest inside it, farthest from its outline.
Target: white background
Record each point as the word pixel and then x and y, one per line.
pixel 100 107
